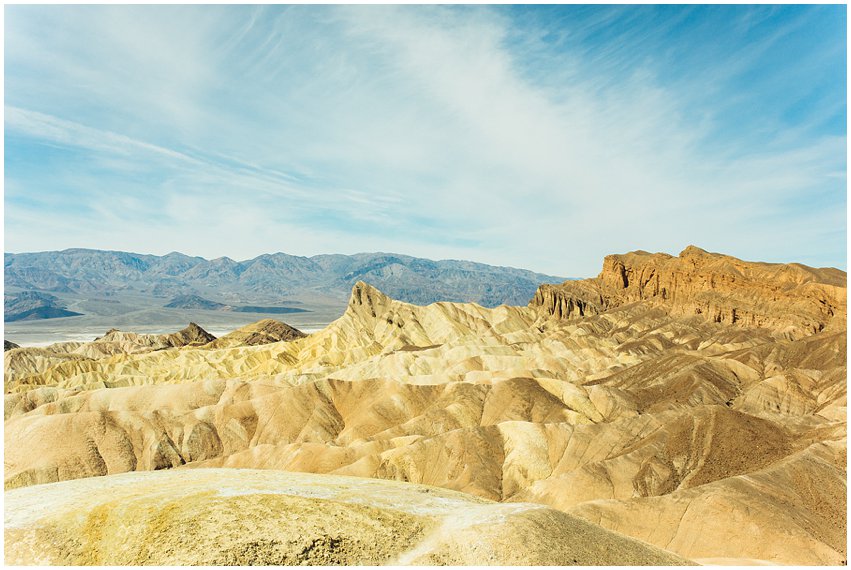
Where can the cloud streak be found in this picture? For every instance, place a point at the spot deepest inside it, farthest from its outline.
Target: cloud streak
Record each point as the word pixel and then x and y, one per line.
pixel 542 137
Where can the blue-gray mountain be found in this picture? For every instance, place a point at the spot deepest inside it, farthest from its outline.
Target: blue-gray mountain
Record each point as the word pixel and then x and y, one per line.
pixel 270 278
pixel 32 305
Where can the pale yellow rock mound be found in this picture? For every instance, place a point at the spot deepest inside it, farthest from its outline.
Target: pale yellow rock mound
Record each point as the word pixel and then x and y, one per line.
pixel 249 517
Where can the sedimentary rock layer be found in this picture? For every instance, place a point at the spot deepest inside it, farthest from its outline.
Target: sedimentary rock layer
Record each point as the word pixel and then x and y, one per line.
pixel 719 441
pixel 793 300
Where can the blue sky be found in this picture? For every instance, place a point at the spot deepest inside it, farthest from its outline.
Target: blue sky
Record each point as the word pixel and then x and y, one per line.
pixel 542 137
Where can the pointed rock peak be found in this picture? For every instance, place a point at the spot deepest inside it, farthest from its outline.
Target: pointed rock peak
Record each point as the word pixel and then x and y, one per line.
pixel 107 334
pixel 264 331
pixel 693 251
pixel 364 293
pixel 194 333
pixel 268 330
pixel 266 323
pixel 278 328
pixel 116 335
pixel 365 296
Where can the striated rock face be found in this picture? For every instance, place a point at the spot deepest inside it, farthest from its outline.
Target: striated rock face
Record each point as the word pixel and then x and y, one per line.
pixel 571 300
pixel 792 300
pixel 719 442
pixel 191 335
pixel 128 341
pixel 82 356
pixel 262 332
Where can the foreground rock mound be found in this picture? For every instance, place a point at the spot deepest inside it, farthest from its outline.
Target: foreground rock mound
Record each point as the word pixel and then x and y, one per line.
pixel 247 517
pixel 793 300
pixel 722 443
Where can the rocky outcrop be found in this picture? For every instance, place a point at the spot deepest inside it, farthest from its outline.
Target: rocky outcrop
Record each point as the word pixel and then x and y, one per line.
pixel 571 300
pixel 9 345
pixel 82 356
pixel 262 332
pixel 191 335
pixel 366 299
pixel 792 300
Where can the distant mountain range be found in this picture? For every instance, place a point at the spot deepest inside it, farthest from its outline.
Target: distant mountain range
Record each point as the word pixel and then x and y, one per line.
pixel 275 279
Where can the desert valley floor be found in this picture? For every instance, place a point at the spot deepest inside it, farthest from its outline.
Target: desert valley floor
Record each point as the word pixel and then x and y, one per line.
pixel 674 410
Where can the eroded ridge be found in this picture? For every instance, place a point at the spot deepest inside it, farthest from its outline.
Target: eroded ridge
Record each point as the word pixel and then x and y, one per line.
pixel 792 300
pixel 720 440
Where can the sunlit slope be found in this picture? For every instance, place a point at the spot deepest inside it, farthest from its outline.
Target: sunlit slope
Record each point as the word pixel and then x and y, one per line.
pixel 249 517
pixel 20 362
pixel 636 413
pixel 792 300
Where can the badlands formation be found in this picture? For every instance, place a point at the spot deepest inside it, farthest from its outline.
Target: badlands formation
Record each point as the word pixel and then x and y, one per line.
pixel 689 407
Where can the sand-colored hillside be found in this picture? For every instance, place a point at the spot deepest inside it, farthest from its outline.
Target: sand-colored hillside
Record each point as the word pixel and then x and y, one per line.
pixel 251 517
pixel 720 441
pixel 21 361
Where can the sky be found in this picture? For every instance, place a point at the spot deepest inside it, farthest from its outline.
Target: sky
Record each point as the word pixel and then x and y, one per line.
pixel 541 137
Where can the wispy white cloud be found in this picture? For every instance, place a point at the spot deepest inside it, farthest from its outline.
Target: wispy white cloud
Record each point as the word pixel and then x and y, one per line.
pixel 435 131
pixel 49 128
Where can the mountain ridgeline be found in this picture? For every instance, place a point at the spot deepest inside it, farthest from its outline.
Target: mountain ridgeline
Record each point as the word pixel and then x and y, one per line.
pixel 267 278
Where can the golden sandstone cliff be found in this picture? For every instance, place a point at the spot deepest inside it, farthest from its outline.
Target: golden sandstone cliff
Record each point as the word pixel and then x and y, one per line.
pixel 793 300
pixel 696 403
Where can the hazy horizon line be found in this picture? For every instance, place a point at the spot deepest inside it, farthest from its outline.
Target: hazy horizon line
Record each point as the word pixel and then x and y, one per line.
pixel 396 253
